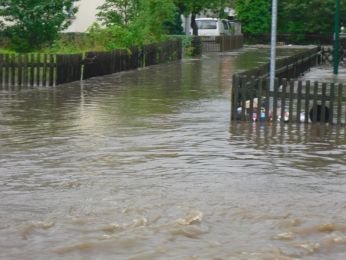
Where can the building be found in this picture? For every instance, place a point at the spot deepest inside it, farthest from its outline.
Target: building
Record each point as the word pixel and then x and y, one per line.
pixel 85 16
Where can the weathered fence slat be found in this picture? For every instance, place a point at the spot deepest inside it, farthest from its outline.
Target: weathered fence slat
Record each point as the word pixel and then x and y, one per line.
pixel 44 71
pixel 267 117
pixel 13 69
pixel 340 93
pixel 25 68
pixel 314 110
pixel 299 100
pixel 20 71
pixel 235 95
pixel 323 103
pixel 259 100
pixel 307 101
pixel 38 70
pixel 1 68
pixel 290 110
pixel 51 70
pixel 275 100
pixel 331 103
pixel 243 101
pixel 32 69
pixel 7 70
pixel 283 99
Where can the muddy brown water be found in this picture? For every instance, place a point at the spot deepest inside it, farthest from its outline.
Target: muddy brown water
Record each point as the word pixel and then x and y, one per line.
pixel 147 165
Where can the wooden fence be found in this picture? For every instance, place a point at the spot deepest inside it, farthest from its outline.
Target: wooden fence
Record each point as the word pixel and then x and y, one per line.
pixel 292 101
pixel 289 67
pixel 69 68
pixel 35 70
pixel 27 70
pixel 221 43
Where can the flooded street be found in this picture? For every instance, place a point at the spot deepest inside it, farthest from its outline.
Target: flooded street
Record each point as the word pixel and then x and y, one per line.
pixel 147 165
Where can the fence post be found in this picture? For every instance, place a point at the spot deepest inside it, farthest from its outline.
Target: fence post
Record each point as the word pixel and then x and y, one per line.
pixel 299 100
pixel 307 101
pixel 314 106
pixel 235 90
pixel 20 70
pixel 331 103
pixel 283 99
pixel 1 67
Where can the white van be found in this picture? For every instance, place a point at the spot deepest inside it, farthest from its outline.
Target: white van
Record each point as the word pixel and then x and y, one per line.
pixel 213 27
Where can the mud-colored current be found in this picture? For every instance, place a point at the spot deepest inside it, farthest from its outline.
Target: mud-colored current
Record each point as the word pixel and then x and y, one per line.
pixel 147 165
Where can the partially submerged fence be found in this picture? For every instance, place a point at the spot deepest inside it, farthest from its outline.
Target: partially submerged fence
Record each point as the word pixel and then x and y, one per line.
pixel 291 100
pixel 29 70
pixel 289 67
pixel 222 43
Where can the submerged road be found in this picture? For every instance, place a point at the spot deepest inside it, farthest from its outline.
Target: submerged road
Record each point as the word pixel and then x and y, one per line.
pixel 147 165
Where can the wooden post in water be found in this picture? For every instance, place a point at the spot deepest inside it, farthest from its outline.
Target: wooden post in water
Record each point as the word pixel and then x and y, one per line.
pixel 20 70
pixel 1 69
pixel 25 68
pixel 38 69
pixel 307 101
pixel 331 103
pixel 314 106
pixel 283 99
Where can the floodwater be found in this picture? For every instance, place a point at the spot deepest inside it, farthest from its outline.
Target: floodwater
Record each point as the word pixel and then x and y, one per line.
pixel 147 165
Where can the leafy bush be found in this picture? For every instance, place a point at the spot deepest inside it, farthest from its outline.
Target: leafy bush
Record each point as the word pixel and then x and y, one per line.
pixel 33 24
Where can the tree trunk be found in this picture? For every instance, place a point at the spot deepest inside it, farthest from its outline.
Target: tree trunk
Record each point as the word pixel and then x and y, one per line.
pixel 194 25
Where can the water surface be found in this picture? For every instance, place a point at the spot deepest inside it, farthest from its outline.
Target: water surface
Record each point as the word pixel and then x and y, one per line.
pixel 147 165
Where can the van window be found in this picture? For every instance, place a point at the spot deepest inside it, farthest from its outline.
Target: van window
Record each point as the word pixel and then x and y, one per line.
pixel 206 24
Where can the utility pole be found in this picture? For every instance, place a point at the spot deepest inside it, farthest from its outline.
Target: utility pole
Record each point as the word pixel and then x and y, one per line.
pixel 273 50
pixel 336 38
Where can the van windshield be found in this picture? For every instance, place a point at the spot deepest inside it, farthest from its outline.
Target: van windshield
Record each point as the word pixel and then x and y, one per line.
pixel 206 24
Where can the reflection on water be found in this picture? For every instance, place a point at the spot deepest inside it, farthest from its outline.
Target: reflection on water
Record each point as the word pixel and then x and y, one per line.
pixel 146 165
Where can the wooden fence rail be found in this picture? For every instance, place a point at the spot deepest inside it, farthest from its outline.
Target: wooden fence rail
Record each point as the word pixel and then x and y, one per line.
pixel 35 70
pixel 293 101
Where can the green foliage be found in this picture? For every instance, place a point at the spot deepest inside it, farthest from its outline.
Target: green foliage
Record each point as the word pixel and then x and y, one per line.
pixel 174 27
pixel 255 15
pixel 295 16
pixel 313 16
pixel 31 24
pixel 118 12
pixel 145 25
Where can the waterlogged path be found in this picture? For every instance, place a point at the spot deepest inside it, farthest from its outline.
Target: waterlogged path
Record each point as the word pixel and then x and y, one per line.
pixel 146 165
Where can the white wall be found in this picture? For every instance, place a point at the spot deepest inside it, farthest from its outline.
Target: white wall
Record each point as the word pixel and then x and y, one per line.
pixel 86 15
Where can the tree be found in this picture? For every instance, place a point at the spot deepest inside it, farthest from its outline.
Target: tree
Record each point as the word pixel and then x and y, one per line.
pixel 195 7
pixel 255 15
pixel 146 24
pixel 31 24
pixel 118 11
pixel 313 16
pixel 294 16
